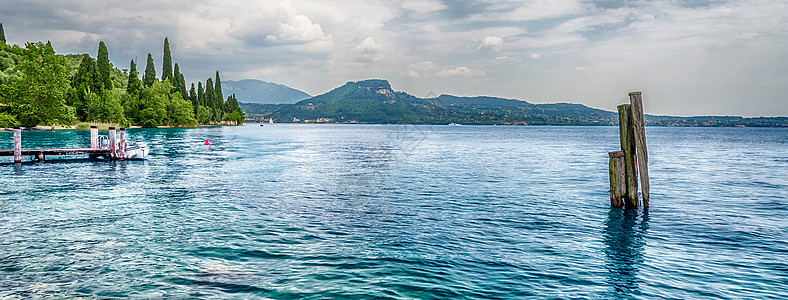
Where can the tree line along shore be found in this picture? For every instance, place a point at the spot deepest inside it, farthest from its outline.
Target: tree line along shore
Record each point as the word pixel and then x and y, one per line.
pixel 39 87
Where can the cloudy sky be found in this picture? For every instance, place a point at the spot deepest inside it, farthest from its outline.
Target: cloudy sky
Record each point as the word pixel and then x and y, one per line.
pixel 688 57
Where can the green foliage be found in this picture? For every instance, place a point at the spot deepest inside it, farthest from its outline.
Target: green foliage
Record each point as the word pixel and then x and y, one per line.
pixel 104 66
pixel 217 90
pixel 209 99
pixel 200 95
pixel 180 112
pixel 134 85
pixel 105 106
pixel 203 114
pixel 9 59
pixel 39 96
pixel 7 121
pixel 85 81
pixel 236 116
pixel 2 33
pixel 150 73
pixel 166 67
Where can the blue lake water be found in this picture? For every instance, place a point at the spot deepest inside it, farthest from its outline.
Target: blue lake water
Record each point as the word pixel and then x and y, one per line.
pixel 370 211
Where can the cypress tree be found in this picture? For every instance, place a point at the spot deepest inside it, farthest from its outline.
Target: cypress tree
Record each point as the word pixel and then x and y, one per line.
pixel 135 85
pixel 2 33
pixel 200 94
pixel 150 73
pixel 218 94
pixel 103 65
pixel 193 99
pixel 182 84
pixel 166 68
pixel 210 98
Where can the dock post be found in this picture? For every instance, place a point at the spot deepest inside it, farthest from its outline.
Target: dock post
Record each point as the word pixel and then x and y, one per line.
pixel 627 136
pixel 636 101
pixel 617 178
pixel 112 144
pixel 122 144
pixel 94 137
pixel 17 144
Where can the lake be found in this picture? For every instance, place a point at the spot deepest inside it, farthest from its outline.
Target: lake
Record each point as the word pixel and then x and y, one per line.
pixel 292 211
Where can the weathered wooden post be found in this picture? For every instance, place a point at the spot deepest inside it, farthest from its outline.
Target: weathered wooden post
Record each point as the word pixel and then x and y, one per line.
pixel 122 145
pixel 627 136
pixel 636 101
pixel 618 187
pixel 94 137
pixel 112 144
pixel 17 144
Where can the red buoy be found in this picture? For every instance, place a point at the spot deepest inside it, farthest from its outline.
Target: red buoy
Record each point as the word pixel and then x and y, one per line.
pixel 207 143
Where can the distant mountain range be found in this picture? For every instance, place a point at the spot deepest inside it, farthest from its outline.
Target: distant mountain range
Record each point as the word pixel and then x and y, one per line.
pixel 258 91
pixel 374 101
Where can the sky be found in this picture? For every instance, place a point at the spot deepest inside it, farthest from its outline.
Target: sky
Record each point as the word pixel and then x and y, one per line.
pixel 687 57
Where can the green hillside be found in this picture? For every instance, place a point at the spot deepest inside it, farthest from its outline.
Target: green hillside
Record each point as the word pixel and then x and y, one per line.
pixel 374 101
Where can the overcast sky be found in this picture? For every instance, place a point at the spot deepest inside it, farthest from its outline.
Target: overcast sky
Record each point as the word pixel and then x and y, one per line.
pixel 688 57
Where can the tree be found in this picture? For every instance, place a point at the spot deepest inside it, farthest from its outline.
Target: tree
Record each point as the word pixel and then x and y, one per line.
pixel 150 73
pixel 85 81
pixel 2 33
pixel 219 97
pixel 135 85
pixel 210 99
pixel 104 66
pixel 166 68
pixel 179 83
pixel 39 96
pixel 105 106
pixel 200 94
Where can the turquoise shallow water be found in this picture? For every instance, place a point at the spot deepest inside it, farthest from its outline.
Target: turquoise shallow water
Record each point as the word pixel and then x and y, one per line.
pixel 366 211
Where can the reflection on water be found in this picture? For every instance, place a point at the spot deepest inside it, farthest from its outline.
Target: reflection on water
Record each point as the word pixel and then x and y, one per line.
pixel 625 232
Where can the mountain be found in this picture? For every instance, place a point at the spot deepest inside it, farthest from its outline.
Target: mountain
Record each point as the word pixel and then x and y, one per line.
pixel 258 91
pixel 374 101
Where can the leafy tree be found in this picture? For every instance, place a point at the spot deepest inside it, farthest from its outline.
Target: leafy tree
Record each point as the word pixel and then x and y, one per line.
pixel 39 96
pixel 180 112
pixel 104 66
pixel 135 85
pixel 2 33
pixel 182 84
pixel 166 68
pixel 179 83
pixel 193 98
pixel 86 80
pixel 150 73
pixel 203 115
pixel 7 121
pixel 105 106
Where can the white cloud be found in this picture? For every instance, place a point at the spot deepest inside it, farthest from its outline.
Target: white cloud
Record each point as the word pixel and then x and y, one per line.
pixel 508 59
pixel 461 71
pixel 491 43
pixel 369 51
pixel 412 73
pixel 528 10
pixel 535 56
pixel 423 6
pixel 276 24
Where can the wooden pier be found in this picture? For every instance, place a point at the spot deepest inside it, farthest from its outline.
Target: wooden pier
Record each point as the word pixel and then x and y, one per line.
pixel 113 149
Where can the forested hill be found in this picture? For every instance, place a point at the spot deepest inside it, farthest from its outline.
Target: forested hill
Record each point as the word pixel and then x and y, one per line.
pixel 374 101
pixel 258 91
pixel 40 87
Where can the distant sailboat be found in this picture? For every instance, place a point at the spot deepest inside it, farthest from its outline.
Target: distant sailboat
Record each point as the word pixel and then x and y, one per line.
pixel 271 121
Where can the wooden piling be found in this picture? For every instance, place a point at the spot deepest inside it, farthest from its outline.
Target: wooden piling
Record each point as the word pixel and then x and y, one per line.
pixel 617 177
pixel 122 144
pixel 17 144
pixel 641 152
pixel 627 136
pixel 94 137
pixel 112 143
